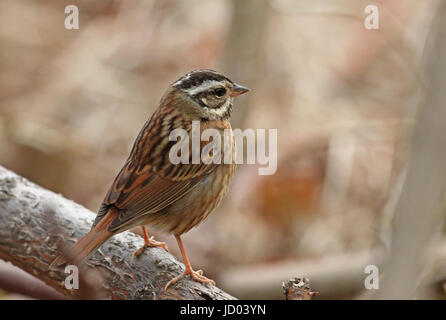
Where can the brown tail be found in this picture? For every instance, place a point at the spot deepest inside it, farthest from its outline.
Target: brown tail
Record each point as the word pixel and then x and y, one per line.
pixel 88 244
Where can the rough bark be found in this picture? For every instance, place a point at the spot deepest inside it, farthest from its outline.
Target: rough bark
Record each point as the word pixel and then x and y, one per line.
pixel 35 224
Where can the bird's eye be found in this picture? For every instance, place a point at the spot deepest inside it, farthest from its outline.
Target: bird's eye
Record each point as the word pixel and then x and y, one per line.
pixel 220 92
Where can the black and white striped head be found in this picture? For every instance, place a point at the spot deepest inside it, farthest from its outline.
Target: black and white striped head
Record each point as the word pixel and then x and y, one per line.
pixel 211 94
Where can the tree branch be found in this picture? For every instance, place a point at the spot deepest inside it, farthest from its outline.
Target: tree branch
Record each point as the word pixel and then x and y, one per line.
pixel 419 212
pixel 15 280
pixel 35 222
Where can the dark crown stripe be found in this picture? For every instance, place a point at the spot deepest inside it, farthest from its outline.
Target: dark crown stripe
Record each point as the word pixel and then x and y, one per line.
pixel 196 78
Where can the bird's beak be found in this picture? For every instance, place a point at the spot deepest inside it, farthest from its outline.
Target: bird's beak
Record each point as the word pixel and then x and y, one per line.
pixel 238 90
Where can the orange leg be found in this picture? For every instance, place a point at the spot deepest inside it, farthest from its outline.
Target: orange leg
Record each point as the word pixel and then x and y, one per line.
pixel 195 275
pixel 149 242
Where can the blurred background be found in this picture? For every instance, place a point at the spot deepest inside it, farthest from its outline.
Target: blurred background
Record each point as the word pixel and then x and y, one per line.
pixel 344 99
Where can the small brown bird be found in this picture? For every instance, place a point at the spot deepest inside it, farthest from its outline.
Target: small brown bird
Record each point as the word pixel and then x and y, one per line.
pixel 150 189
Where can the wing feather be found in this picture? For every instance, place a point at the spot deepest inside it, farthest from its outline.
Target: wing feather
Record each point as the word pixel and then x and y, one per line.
pixel 147 185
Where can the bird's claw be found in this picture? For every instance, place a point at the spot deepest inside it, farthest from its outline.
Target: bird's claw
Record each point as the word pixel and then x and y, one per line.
pixel 195 275
pixel 151 243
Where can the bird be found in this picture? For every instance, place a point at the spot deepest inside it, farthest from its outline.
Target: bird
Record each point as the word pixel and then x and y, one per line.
pixel 152 190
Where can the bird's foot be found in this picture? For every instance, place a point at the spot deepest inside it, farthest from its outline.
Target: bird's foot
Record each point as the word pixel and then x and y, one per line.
pixel 195 275
pixel 151 242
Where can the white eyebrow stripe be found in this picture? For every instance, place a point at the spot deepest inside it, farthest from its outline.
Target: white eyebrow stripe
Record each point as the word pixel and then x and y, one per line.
pixel 206 85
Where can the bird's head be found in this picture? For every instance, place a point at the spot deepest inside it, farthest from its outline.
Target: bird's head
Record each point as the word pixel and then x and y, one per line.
pixel 205 94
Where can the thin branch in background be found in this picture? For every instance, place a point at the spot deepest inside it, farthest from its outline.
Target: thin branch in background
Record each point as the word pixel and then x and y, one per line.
pixel 244 39
pixel 15 280
pixel 418 215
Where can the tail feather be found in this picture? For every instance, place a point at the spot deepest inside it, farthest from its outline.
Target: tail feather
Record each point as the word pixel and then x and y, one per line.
pixel 88 244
